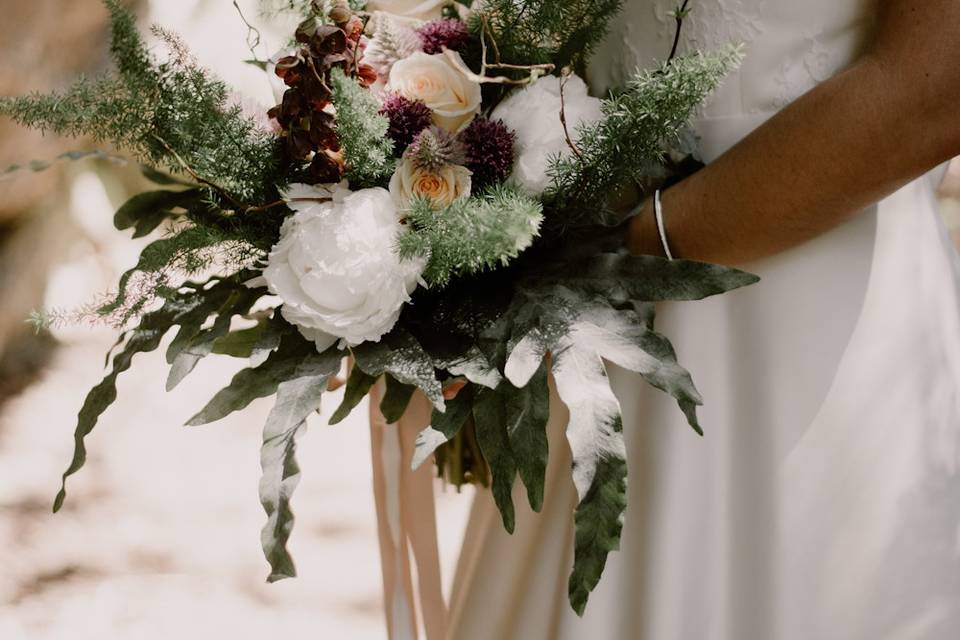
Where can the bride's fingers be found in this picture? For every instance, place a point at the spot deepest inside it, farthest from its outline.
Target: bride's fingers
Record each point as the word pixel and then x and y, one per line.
pixel 335 383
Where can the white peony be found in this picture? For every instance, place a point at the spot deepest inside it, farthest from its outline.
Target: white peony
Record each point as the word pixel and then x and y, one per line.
pixel 435 80
pixel 442 187
pixel 534 113
pixel 336 268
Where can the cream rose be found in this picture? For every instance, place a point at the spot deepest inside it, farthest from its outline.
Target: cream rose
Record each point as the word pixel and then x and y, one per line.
pixel 336 268
pixel 442 187
pixel 437 82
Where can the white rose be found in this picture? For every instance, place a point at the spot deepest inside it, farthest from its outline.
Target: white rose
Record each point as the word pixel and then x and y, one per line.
pixel 453 97
pixel 336 268
pixel 443 187
pixel 534 113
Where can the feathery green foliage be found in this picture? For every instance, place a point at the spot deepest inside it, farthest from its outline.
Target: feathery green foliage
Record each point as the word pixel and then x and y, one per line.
pixel 362 132
pixel 562 32
pixel 469 236
pixel 173 114
pixel 637 126
pixel 163 263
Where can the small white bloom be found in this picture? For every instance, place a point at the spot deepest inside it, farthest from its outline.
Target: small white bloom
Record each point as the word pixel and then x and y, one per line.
pixel 453 97
pixel 392 40
pixel 442 187
pixel 534 113
pixel 336 268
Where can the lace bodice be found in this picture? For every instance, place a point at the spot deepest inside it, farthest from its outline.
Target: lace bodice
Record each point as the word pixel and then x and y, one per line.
pixel 790 45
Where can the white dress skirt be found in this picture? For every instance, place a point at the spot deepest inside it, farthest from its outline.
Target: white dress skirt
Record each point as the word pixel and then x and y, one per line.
pixel 824 500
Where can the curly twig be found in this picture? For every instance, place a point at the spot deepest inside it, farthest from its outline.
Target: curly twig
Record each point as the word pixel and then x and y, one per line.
pixel 253 34
pixel 535 70
pixel 563 118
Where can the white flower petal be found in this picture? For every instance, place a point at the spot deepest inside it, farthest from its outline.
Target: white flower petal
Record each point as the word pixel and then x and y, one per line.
pixel 335 268
pixel 534 114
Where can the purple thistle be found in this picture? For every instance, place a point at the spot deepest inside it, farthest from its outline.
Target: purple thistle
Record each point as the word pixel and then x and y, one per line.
pixel 434 149
pixel 489 146
pixel 446 32
pixel 407 119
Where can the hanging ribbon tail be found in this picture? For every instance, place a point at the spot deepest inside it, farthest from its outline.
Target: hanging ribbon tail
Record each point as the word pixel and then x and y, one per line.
pixel 406 521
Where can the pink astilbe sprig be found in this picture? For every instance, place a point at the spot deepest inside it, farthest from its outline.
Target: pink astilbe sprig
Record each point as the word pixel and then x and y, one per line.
pixel 444 33
pixel 407 119
pixel 489 145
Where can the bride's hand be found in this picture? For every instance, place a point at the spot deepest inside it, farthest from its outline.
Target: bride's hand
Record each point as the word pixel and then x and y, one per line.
pixel 642 235
pixel 851 141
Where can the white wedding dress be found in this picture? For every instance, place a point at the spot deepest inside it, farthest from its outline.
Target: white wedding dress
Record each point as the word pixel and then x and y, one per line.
pixel 824 501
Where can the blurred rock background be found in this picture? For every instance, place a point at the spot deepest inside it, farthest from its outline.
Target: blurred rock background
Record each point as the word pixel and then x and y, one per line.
pixel 160 535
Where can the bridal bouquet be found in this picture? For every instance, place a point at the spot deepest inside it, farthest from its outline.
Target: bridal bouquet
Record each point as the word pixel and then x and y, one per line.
pixel 433 197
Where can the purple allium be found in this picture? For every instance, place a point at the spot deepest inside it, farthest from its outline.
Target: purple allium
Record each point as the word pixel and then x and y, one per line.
pixel 407 119
pixel 489 145
pixel 445 32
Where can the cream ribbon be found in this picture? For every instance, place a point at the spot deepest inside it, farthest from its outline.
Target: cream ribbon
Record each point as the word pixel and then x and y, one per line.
pixel 406 521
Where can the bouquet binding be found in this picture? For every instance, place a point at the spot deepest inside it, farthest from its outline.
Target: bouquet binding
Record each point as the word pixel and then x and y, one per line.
pixel 433 199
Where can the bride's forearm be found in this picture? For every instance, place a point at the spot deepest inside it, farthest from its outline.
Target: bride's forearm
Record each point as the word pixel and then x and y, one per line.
pixel 835 151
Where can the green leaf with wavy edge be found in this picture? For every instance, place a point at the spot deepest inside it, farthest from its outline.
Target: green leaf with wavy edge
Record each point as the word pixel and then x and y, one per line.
pixel 144 338
pixel 595 434
pixel 399 354
pixel 298 396
pixel 491 419
pixel 622 338
pixel 146 211
pixel 240 343
pixel 621 277
pixel 186 351
pixel 257 382
pixel 358 386
pixel 206 302
pixel 443 426
pixel 472 365
pixel 539 323
pixel 395 399
pixel 527 410
pixel 156 176
pixel 583 331
pixel 255 343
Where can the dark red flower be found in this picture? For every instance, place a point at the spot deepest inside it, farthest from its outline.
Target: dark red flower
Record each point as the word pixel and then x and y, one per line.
pixel 407 119
pixel 489 145
pixel 444 33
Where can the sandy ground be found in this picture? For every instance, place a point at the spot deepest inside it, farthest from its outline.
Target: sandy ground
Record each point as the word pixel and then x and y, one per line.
pixel 159 538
